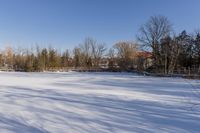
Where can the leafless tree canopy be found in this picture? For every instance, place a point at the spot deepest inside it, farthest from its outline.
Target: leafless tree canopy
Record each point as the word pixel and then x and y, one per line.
pixel 126 53
pixel 156 28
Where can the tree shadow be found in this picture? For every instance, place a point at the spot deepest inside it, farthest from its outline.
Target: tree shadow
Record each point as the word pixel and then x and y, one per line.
pixel 17 126
pixel 61 110
pixel 102 113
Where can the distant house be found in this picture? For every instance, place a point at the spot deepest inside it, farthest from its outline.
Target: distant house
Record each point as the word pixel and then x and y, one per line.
pixel 107 63
pixel 144 59
pixel 104 63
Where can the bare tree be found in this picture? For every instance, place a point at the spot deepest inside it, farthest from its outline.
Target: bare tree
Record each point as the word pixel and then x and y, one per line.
pixel 2 58
pixel 77 57
pixel 91 52
pixel 126 52
pixel 170 50
pixel 86 52
pixel 151 33
pixel 97 52
pixel 65 58
pixel 9 57
pixel 197 50
pixel 112 58
pixel 54 59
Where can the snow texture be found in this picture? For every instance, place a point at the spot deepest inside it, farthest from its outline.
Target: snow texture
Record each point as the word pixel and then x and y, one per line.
pixel 97 103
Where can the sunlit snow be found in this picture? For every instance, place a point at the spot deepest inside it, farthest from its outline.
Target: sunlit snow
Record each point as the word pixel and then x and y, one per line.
pixel 97 103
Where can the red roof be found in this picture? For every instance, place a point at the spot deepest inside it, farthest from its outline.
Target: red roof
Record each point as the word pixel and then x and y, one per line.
pixel 144 54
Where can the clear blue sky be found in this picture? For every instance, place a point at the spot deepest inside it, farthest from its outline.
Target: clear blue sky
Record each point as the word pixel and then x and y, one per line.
pixel 65 23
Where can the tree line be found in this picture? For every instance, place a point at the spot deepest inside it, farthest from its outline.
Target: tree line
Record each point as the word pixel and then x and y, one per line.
pixel 169 52
pixel 87 55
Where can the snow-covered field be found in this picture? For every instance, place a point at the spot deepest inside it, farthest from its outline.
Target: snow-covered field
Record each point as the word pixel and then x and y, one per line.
pixel 97 103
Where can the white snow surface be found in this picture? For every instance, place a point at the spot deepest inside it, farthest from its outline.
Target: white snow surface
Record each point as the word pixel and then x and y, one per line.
pixel 97 103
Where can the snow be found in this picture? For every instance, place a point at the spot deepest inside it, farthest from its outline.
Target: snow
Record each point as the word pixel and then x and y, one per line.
pixel 97 103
